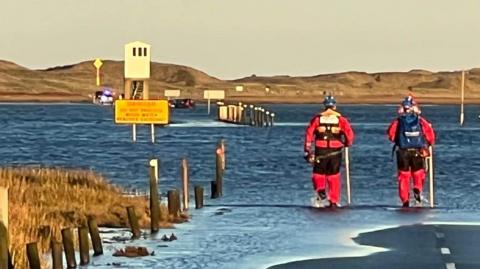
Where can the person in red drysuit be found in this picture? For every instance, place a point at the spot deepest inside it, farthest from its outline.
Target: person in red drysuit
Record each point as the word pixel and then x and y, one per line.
pixel 412 135
pixel 328 132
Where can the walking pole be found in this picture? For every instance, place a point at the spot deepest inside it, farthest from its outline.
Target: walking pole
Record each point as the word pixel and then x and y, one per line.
pixel 347 173
pixel 430 172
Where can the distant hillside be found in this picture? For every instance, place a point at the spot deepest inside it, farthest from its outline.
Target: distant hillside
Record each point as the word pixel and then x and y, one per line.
pixel 75 82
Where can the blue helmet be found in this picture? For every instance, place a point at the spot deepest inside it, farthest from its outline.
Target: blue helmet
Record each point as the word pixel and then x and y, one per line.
pixel 408 102
pixel 329 101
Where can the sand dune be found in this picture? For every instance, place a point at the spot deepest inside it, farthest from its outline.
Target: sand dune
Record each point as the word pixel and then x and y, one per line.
pixel 76 81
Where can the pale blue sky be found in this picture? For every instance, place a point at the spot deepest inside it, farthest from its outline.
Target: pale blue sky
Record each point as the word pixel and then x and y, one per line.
pixel 235 38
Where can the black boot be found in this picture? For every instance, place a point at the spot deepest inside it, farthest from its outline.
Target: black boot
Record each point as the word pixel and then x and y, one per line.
pixel 406 204
pixel 332 205
pixel 322 194
pixel 418 195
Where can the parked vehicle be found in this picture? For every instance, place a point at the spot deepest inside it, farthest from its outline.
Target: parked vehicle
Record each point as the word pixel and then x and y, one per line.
pixel 181 103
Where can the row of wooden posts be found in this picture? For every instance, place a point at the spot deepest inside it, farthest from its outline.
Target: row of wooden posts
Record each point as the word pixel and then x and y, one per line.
pixel 245 115
pixel 174 209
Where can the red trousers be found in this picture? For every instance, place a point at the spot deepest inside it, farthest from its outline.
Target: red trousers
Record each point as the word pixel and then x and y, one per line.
pixel 320 182
pixel 404 183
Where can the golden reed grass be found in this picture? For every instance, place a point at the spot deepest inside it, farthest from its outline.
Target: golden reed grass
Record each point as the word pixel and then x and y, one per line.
pixel 42 201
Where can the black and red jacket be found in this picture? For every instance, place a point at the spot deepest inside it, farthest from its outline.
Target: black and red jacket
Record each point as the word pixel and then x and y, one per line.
pixel 329 129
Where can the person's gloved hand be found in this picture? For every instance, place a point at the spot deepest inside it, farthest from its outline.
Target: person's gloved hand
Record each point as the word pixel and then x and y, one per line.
pixel 309 157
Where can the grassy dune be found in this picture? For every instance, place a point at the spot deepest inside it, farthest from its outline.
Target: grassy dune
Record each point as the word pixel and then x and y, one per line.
pixel 42 201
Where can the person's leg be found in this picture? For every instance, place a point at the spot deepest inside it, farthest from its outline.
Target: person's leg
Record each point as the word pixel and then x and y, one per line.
pixel 333 177
pixel 319 174
pixel 418 174
pixel 403 176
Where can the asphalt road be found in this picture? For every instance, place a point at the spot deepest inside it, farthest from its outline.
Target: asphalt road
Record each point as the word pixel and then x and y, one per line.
pixel 413 246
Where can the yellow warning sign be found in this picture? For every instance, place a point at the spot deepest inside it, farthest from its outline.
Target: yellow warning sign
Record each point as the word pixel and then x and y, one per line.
pixel 141 112
pixel 98 63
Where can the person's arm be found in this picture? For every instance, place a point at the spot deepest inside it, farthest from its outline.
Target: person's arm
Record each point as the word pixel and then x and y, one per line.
pixel 309 134
pixel 392 130
pixel 347 130
pixel 428 131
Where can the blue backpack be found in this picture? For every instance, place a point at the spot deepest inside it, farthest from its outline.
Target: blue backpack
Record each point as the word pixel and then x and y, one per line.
pixel 409 132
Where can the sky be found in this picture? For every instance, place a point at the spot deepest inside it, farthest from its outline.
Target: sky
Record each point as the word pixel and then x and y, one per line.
pixel 231 39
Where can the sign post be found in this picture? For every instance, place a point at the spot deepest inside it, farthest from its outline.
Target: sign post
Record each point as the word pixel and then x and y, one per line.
pixel 462 116
pixel 213 94
pixel 142 112
pixel 98 64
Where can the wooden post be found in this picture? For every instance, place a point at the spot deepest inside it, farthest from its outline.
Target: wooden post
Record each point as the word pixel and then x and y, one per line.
pixel 4 206
pixel 267 118
pixel 3 246
pixel 271 119
pixel 146 90
pixel 132 219
pixel 32 255
pixel 462 115
pixel 198 197
pixel 177 203
pixel 128 89
pixel 173 202
pixel 244 115
pixel 251 115
pixel 213 189
pixel 154 197
pixel 95 236
pixel 83 245
pixel 185 180
pixel 57 259
pixel 262 121
pixel 219 170
pixel 67 238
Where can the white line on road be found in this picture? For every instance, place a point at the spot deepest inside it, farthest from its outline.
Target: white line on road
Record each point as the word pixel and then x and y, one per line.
pixel 450 265
pixel 445 251
pixel 440 235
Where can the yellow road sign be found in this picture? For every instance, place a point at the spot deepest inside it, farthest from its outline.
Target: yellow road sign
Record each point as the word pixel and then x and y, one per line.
pixel 141 112
pixel 98 63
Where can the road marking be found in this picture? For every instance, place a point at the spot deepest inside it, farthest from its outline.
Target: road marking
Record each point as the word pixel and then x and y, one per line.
pixel 450 265
pixel 445 251
pixel 440 235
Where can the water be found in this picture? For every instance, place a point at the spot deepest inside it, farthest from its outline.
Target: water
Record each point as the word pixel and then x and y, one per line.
pixel 267 183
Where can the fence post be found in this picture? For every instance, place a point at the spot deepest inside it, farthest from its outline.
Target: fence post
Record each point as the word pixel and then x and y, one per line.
pixel 67 238
pixel 219 167
pixel 132 219
pixel 185 181
pixel 95 236
pixel 198 197
pixel 154 199
pixel 83 245
pixel 173 202
pixel 57 259
pixel 32 256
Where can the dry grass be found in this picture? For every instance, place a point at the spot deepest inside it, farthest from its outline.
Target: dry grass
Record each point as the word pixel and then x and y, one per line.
pixel 42 201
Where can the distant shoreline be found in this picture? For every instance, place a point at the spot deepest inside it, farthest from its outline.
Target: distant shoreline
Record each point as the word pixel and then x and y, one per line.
pixel 259 100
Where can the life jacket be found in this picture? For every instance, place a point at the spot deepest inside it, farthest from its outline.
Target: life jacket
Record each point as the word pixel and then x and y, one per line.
pixel 409 132
pixel 329 126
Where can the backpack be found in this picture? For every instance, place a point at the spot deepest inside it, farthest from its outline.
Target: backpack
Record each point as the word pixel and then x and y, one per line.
pixel 409 132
